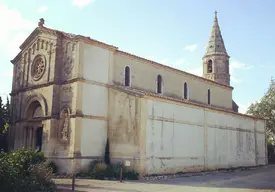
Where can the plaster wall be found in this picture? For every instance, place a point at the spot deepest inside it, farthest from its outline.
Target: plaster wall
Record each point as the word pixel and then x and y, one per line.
pixel 93 139
pixel 95 62
pixel 92 126
pixel 182 137
pixel 144 75
pixel 94 100
pixel 124 127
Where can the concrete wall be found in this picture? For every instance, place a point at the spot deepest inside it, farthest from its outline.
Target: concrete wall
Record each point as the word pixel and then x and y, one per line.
pixel 144 76
pixel 182 137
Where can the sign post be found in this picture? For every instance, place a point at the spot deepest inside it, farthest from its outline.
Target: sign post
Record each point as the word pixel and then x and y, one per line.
pixel 127 164
pixel 73 179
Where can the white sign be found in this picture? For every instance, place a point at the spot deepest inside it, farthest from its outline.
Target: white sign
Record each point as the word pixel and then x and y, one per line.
pixel 127 163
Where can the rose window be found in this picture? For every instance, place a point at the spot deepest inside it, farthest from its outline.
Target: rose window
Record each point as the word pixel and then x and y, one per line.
pixel 38 68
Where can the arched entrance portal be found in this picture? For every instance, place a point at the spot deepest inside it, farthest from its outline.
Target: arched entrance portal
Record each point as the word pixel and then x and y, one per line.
pixel 33 130
pixel 38 138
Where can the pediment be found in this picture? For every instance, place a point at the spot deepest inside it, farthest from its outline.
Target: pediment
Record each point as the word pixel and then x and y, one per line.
pixel 38 39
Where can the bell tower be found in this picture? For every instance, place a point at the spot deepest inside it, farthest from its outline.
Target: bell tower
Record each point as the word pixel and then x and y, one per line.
pixel 216 59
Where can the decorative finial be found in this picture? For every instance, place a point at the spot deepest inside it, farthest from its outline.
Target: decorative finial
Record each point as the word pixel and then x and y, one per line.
pixel 41 22
pixel 215 18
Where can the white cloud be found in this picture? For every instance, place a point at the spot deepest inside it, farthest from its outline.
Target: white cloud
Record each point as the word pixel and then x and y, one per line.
pixel 191 48
pixel 205 47
pixel 234 64
pixel 42 9
pixel 237 65
pixel 243 107
pixel 235 80
pixel 151 57
pixel 163 61
pixel 178 63
pixel 81 3
pixel 13 30
pixel 7 73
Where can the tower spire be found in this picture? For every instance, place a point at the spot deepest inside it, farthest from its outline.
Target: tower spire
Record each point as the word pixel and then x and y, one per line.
pixel 216 59
pixel 216 12
pixel 215 43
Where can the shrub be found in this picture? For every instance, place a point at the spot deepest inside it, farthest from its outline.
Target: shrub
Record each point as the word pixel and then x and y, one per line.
pixel 40 175
pixel 99 170
pixel 53 166
pixel 113 171
pixel 25 170
pixel 130 174
pixel 93 164
pixel 23 158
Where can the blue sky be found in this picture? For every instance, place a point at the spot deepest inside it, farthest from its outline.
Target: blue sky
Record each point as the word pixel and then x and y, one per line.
pixel 173 32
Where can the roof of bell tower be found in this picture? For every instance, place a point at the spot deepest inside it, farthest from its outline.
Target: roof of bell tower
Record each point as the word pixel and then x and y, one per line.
pixel 215 43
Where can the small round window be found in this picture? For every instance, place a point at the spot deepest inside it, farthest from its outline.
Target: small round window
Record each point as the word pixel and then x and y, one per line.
pixel 38 67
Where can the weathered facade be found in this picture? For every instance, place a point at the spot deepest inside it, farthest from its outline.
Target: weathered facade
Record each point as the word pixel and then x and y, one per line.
pixel 70 93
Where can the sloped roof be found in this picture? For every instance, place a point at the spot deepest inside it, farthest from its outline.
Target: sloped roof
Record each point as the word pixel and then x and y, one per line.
pixel 42 28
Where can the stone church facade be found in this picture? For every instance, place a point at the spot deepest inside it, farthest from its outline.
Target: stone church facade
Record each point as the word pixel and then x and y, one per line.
pixel 70 93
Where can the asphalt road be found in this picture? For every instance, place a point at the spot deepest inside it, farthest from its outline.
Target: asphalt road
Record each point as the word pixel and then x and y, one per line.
pixel 255 180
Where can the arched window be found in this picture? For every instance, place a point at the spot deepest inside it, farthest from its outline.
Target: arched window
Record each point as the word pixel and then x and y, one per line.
pixel 185 91
pixel 159 84
pixel 208 97
pixel 127 76
pixel 209 66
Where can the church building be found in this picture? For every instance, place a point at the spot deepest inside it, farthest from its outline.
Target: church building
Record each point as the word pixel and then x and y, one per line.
pixel 71 93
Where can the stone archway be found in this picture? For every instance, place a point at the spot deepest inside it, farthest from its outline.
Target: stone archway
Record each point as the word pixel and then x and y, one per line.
pixel 33 128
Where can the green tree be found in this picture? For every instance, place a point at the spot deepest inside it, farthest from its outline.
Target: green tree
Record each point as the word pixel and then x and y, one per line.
pixel 265 108
pixel 107 153
pixel 2 109
pixel 4 124
pixel 7 111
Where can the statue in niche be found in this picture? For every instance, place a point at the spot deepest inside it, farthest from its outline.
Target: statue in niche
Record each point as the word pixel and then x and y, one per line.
pixel 68 65
pixel 65 127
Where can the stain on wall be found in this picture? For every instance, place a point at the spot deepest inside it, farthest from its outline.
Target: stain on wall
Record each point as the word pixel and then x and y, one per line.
pixel 185 138
pixel 124 126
